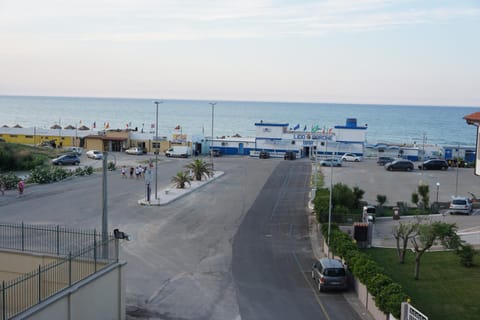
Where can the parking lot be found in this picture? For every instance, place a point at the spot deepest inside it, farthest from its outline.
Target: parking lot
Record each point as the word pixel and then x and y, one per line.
pixel 399 186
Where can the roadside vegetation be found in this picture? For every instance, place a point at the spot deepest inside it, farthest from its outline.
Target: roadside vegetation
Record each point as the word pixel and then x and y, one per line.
pixel 196 170
pixel 17 157
pixel 446 290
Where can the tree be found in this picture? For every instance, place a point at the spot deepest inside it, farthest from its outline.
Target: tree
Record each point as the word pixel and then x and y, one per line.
pixel 200 169
pixel 423 191
pixel 428 234
pixel 357 195
pixel 342 195
pixel 181 179
pixel 415 199
pixel 402 233
pixel 381 199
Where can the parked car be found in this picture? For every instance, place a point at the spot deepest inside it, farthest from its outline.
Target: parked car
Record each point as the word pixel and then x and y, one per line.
pixel 369 213
pixel 134 150
pixel 65 159
pixel 264 155
pixel 76 150
pixel 329 274
pixel 400 165
pixel 384 160
pixel 216 153
pixel 289 155
pixel 351 157
pixel 460 205
pixel 434 164
pixel 94 154
pixel 331 162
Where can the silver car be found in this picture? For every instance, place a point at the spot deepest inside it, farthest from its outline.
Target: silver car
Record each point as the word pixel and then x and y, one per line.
pixel 460 205
pixel 329 274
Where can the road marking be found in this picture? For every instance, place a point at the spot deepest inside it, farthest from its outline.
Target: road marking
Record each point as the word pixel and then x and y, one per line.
pixel 324 310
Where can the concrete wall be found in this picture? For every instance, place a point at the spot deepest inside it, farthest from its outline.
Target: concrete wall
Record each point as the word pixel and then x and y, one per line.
pixel 15 264
pixel 101 297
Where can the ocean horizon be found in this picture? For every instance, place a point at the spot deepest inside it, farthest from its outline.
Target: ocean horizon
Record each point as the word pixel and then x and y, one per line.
pixel 387 123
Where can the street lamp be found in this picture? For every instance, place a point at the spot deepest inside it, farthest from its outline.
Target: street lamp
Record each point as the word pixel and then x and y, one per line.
pixel 211 143
pixel 156 149
pixel 438 187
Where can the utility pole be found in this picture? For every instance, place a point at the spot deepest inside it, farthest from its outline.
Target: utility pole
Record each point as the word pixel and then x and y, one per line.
pixel 211 143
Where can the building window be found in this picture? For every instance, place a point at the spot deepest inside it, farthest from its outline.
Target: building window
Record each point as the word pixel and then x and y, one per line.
pixel 156 145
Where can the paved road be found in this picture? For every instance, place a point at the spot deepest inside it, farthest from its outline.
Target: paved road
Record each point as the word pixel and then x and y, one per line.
pixel 272 254
pixel 180 257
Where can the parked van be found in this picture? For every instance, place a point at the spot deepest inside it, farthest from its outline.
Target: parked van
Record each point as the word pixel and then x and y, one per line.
pixel 179 152
pixel 329 274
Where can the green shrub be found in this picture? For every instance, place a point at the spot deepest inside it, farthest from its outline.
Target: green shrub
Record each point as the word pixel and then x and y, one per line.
pixel 466 253
pixel 111 166
pixel 390 299
pixel 377 282
pixel 10 180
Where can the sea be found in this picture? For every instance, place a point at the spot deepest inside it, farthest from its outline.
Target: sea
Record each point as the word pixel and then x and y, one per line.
pixel 396 124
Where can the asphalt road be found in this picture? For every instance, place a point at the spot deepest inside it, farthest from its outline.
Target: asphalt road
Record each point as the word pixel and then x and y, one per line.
pixel 272 254
pixel 180 263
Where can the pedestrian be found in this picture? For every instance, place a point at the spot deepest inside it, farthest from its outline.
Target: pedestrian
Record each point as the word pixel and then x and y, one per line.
pixel 21 187
pixel 137 172
pixel 2 188
pixel 131 172
pixel 144 171
pixel 124 171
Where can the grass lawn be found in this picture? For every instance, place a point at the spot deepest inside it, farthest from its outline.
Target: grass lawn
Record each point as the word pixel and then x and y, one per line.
pixel 445 289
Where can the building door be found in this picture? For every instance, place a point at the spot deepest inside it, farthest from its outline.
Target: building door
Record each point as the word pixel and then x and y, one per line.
pixel 240 148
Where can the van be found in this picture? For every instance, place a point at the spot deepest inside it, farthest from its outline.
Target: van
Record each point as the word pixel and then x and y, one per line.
pixel 329 274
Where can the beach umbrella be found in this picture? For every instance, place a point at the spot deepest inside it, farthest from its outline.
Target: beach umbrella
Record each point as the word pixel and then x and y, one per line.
pixel 17 126
pixel 84 128
pixel 5 126
pixel 69 127
pixel 56 126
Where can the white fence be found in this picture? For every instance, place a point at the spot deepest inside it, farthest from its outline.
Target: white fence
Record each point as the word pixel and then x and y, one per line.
pixel 411 313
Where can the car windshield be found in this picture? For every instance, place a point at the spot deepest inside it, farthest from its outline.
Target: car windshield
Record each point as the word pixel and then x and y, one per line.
pixel 460 202
pixel 335 272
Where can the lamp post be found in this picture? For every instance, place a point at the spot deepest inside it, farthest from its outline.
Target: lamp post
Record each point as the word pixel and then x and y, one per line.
pixel 211 142
pixel 438 187
pixel 156 149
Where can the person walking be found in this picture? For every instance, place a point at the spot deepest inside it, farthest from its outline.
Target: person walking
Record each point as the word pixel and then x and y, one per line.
pixel 124 172
pixel 131 172
pixel 21 187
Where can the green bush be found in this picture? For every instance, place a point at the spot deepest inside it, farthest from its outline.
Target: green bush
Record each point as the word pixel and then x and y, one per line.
pixel 111 166
pixel 390 299
pixel 377 282
pixel 10 180
pixel 466 253
pixel 15 157
pixel 44 175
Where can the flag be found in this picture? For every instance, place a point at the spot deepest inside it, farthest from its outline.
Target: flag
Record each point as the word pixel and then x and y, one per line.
pixel 94 124
pixel 315 129
pixel 305 128
pixel 127 125
pixel 296 127
pixel 177 127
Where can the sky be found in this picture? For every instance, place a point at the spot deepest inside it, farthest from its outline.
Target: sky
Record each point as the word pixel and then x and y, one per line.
pixel 423 52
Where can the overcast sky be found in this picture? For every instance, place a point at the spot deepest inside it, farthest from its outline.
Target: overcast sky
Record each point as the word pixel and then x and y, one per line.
pixel 358 51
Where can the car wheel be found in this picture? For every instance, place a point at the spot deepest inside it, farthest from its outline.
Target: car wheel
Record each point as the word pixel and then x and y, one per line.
pixel 356 160
pixel 76 163
pixel 313 275
pixel 409 169
pixel 444 168
pixel 390 169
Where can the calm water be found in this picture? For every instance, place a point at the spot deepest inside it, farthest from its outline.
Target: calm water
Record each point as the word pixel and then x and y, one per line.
pixel 386 123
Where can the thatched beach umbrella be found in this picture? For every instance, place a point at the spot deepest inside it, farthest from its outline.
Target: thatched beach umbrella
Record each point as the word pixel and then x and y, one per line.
pixel 5 126
pixel 56 126
pixel 17 126
pixel 69 127
pixel 84 128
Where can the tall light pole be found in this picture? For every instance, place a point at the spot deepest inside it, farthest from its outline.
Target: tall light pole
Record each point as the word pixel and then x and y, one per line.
pixel 438 187
pixel 211 142
pixel 156 149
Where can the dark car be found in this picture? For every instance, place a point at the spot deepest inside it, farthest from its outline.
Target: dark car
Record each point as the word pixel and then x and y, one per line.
pixel 384 160
pixel 289 155
pixel 264 155
pixel 216 153
pixel 434 164
pixel 400 165
pixel 67 159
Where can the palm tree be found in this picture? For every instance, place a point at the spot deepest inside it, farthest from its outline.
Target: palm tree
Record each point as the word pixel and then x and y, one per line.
pixel 200 168
pixel 181 179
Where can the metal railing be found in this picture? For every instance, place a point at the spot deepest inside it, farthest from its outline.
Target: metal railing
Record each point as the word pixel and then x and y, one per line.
pixel 18 295
pixel 51 239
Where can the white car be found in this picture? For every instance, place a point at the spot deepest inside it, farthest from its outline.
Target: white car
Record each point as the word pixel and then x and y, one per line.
pixel 351 157
pixel 94 154
pixel 134 150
